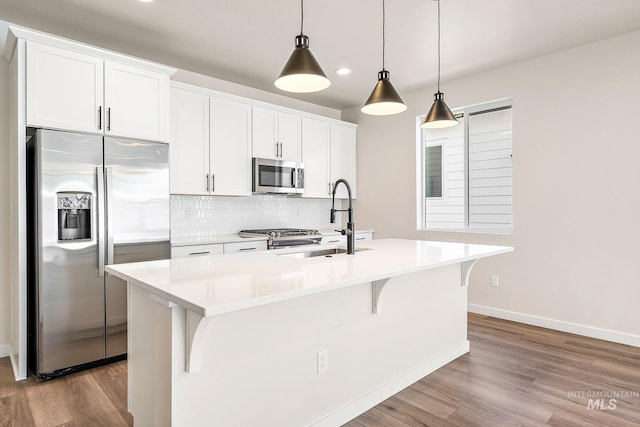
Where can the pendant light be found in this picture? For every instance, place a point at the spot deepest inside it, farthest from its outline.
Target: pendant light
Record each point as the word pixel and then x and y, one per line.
pixel 302 73
pixel 439 116
pixel 384 100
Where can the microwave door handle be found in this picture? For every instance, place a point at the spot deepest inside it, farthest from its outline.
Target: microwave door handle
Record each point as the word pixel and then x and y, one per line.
pixel 294 177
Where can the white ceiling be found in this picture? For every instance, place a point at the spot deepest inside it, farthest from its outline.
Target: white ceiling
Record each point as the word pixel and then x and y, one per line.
pixel 248 41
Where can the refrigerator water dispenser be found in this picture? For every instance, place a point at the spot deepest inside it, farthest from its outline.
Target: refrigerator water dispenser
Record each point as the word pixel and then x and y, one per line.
pixel 74 216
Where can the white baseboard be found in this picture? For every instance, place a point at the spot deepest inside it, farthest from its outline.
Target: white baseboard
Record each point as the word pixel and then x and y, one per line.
pixel 368 401
pixel 5 350
pixel 559 325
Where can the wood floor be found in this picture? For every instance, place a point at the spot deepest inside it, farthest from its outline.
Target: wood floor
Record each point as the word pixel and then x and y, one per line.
pixel 514 375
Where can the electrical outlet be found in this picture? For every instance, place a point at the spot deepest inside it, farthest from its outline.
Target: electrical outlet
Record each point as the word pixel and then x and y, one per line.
pixel 495 281
pixel 323 361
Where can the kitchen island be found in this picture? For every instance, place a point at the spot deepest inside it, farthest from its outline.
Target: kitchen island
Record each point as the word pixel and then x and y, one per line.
pixel 283 337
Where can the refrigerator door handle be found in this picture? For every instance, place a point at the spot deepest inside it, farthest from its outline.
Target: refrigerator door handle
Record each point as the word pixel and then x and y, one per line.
pixel 109 203
pixel 100 219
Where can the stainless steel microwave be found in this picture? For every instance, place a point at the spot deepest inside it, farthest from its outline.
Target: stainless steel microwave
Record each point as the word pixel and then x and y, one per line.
pixel 277 176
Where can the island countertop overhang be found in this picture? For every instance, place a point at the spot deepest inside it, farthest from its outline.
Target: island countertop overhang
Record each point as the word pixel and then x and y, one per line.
pixel 214 285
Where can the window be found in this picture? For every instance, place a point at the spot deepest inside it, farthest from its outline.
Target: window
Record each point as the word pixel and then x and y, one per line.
pixel 433 171
pixel 466 173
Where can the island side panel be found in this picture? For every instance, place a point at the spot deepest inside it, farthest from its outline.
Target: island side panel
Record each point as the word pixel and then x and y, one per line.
pixel 260 365
pixel 149 357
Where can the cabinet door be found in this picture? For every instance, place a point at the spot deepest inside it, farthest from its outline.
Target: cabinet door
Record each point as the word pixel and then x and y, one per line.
pixel 189 147
pixel 289 135
pixel 265 133
pixel 64 89
pixel 229 147
pixel 135 102
pixel 343 158
pixel 315 155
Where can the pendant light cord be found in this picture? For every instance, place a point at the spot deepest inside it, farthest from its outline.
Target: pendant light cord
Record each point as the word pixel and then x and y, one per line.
pixel 301 16
pixel 383 32
pixel 438 45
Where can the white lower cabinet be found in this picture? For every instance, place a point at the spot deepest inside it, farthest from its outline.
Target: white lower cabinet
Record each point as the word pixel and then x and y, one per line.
pixel 364 235
pixel 197 250
pixel 218 248
pixel 340 239
pixel 255 245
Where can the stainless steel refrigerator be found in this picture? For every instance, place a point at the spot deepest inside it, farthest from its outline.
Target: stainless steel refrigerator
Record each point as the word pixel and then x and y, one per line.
pixel 92 201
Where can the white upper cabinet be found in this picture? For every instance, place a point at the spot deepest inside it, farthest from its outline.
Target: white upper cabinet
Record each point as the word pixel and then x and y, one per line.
pixel 64 89
pixel 328 153
pixel 315 155
pixel 230 147
pixel 135 102
pixel 74 90
pixel 189 148
pixel 343 158
pixel 210 144
pixel 276 134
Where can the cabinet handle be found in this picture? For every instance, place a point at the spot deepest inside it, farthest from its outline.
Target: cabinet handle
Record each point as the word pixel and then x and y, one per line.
pixel 109 118
pixel 281 150
pixel 248 249
pixel 213 182
pixel 199 253
pixel 100 117
pixel 361 238
pixel 206 182
pixel 330 187
pixel 333 241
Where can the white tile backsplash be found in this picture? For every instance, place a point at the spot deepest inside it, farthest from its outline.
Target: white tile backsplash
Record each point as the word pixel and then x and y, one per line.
pixel 193 216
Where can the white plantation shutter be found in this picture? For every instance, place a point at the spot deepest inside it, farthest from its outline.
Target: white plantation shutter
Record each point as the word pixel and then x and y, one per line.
pixel 447 212
pixel 490 170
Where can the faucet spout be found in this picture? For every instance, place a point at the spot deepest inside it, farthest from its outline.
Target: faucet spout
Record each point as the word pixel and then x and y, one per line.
pixel 350 231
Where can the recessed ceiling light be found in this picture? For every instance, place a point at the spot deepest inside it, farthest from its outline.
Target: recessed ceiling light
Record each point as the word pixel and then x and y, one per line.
pixel 146 1
pixel 343 71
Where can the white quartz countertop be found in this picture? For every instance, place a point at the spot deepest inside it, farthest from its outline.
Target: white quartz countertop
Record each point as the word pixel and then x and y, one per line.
pixel 212 285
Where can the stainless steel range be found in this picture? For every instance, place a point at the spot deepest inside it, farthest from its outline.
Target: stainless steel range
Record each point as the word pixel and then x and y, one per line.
pixel 285 237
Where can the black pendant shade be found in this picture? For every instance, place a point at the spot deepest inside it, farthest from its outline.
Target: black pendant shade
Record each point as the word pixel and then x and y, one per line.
pixel 439 116
pixel 384 99
pixel 302 73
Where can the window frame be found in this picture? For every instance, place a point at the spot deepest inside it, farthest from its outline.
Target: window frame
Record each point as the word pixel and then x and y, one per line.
pixel 421 144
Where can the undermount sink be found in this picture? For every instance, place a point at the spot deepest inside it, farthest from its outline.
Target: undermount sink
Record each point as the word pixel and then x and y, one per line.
pixel 319 252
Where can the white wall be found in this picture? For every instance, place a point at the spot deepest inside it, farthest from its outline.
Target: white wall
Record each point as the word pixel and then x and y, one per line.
pixel 5 289
pixel 576 186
